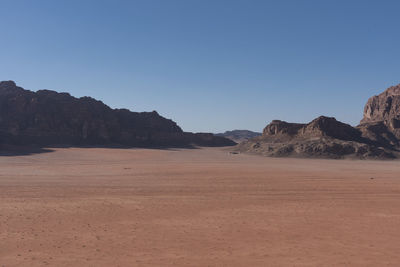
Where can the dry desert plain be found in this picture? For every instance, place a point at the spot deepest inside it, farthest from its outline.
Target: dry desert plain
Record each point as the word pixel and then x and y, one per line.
pixel 196 207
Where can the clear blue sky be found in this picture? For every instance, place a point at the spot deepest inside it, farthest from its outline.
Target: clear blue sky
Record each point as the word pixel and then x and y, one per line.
pixel 208 65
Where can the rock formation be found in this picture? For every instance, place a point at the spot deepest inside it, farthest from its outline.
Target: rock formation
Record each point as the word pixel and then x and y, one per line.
pixel 383 107
pixel 323 137
pixel 377 136
pixel 320 127
pixel 49 118
pixel 239 136
pixel 381 121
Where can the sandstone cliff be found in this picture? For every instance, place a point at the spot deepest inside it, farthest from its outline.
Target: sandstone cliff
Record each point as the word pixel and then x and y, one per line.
pixel 383 107
pixel 377 136
pixel 381 121
pixel 323 137
pixel 49 118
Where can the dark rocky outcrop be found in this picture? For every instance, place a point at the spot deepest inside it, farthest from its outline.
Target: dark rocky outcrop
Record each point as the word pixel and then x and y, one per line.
pixel 49 118
pixel 282 128
pixel 323 137
pixel 380 134
pixel 383 107
pixel 239 136
pixel 377 136
pixel 320 127
pixel 381 121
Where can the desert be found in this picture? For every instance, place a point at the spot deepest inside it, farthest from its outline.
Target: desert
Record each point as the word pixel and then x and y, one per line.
pixel 196 207
pixel 208 133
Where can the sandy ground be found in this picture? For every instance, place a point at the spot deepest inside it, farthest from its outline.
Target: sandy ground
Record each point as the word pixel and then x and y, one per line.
pixel 198 207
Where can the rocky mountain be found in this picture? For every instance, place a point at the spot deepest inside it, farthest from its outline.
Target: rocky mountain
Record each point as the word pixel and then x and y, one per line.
pixel 239 136
pixel 49 118
pixel 383 107
pixel 323 137
pixel 377 136
pixel 381 121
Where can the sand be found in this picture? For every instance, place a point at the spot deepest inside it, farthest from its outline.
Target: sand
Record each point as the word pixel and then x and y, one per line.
pixel 196 207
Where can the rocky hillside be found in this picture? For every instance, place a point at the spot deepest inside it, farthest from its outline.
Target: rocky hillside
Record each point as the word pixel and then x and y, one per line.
pixel 381 121
pixel 383 107
pixel 239 136
pixel 377 136
pixel 323 137
pixel 49 118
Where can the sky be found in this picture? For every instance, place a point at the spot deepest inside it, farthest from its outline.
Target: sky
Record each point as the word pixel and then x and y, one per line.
pixel 210 65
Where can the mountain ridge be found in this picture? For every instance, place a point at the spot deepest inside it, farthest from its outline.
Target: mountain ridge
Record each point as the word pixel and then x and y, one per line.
pixel 376 137
pixel 238 135
pixel 46 117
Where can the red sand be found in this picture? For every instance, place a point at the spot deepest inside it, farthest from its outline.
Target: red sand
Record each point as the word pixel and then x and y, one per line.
pixel 200 207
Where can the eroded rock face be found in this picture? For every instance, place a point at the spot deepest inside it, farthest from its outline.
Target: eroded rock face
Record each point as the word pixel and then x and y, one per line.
pixel 330 127
pixel 46 117
pixel 380 134
pixel 377 136
pixel 282 128
pixel 324 137
pixel 381 121
pixel 383 107
pixel 320 127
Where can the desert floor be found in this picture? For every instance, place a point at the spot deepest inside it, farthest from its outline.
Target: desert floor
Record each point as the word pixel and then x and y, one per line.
pixel 196 207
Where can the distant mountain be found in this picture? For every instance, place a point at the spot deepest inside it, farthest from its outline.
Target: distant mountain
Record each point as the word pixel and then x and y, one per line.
pixel 49 118
pixel 377 136
pixel 239 135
